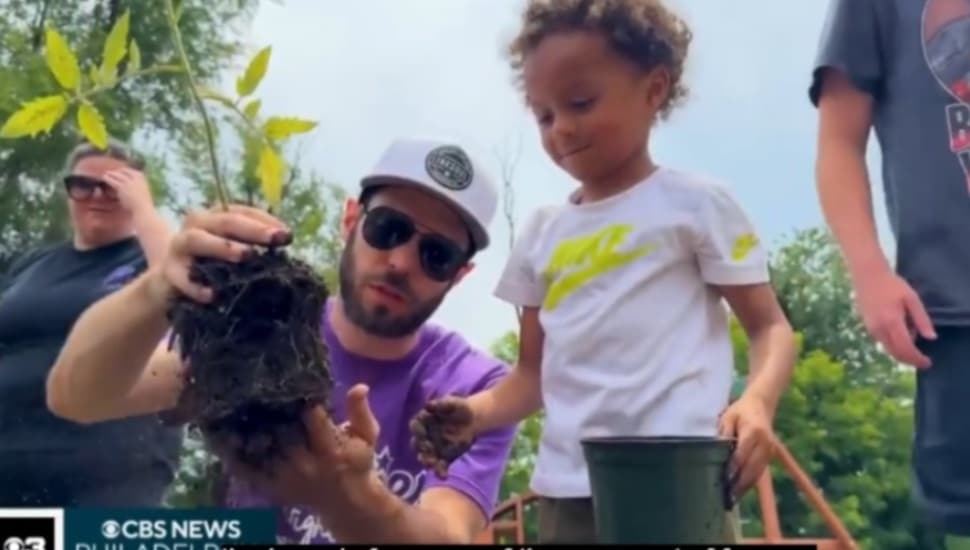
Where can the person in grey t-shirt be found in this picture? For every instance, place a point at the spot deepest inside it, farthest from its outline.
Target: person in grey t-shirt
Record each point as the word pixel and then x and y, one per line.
pixel 902 67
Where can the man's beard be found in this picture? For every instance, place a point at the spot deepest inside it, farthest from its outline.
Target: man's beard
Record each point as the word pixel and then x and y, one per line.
pixel 381 322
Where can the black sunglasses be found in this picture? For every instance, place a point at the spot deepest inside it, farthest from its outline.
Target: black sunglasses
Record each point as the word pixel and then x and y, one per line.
pixel 81 188
pixel 385 228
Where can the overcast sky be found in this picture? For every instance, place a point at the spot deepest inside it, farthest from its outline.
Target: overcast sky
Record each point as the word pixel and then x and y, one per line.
pixel 371 70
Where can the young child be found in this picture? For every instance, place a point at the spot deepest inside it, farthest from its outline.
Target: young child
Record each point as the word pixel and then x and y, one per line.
pixel 623 328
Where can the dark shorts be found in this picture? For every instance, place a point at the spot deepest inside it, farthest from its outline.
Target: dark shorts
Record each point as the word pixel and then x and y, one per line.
pixel 941 447
pixel 566 521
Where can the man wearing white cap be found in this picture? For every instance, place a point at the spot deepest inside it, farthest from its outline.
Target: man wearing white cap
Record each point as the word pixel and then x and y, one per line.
pixel 422 214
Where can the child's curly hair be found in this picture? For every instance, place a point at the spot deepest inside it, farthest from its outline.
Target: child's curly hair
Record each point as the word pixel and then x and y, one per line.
pixel 643 31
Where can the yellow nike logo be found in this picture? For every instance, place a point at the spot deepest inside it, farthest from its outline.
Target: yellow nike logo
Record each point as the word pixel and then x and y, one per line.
pixel 589 256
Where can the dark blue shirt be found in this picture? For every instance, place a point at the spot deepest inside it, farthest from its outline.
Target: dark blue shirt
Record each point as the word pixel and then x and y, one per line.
pixel 45 460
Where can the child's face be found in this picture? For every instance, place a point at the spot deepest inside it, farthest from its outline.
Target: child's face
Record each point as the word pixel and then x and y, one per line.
pixel 594 108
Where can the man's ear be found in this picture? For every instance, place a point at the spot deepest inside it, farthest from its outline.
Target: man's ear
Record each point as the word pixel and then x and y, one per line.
pixel 349 218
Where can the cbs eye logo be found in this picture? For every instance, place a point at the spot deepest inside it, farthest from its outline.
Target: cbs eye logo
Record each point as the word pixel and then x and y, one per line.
pixel 110 529
pixel 28 543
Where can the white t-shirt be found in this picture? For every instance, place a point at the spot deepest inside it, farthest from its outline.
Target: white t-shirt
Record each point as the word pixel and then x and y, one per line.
pixel 636 341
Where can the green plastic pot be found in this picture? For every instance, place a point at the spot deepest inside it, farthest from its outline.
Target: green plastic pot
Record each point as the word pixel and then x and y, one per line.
pixel 660 490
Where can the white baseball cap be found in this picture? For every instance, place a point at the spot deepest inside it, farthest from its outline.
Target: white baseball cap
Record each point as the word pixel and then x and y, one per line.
pixel 447 171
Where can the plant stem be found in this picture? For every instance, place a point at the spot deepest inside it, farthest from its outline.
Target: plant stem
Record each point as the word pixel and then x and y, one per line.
pixel 209 133
pixel 249 124
pixel 237 111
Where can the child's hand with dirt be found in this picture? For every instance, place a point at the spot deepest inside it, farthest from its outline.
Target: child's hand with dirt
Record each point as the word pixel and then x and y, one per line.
pixel 443 431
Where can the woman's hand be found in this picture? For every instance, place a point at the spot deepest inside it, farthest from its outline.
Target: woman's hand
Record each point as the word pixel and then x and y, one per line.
pixel 132 190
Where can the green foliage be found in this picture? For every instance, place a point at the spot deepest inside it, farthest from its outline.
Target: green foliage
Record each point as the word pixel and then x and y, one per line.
pixel 853 442
pixel 816 293
pixel 154 104
pixel 313 206
pixel 261 139
pixel 847 416
pixel 39 116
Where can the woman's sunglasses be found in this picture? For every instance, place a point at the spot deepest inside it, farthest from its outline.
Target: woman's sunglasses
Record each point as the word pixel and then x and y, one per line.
pixel 385 228
pixel 81 188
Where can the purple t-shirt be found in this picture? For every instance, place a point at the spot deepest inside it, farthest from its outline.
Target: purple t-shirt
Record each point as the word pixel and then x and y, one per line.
pixel 443 363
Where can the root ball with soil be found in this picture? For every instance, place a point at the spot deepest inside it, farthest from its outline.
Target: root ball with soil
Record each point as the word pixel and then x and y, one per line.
pixel 255 356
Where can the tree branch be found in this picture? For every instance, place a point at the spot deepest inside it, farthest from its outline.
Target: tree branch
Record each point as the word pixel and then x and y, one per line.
pixel 114 11
pixel 509 163
pixel 38 37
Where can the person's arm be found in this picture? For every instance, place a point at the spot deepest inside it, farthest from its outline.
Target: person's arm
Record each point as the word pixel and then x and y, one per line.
pixel 443 516
pixel 733 261
pixel 847 84
pixel 772 350
pixel 518 395
pixel 842 178
pixel 772 354
pixel 154 235
pixel 151 229
pixel 114 363
pixel 451 510
pixel 335 476
pixel 847 77
pixel 889 307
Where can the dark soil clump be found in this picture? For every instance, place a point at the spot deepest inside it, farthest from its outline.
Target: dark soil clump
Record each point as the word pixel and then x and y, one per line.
pixel 435 438
pixel 255 355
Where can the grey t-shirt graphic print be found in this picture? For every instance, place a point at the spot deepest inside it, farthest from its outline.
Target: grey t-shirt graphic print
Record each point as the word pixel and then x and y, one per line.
pixel 912 57
pixel 946 43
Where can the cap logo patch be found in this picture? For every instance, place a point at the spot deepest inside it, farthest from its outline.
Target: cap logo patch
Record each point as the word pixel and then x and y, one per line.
pixel 450 167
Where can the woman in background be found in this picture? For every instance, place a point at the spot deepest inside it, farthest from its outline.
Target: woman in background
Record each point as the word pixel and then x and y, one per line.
pixel 45 460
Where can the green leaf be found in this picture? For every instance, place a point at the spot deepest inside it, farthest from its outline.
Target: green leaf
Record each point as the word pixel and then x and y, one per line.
pixel 92 125
pixel 95 76
pixel 249 81
pixel 61 60
pixel 115 46
pixel 278 128
pixel 251 110
pixel 107 78
pixel 270 172
pixel 134 57
pixel 35 117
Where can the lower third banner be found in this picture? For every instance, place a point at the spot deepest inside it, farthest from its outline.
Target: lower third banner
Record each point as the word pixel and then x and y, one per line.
pixel 166 529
